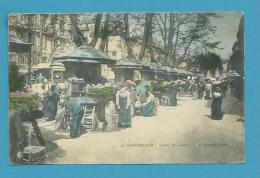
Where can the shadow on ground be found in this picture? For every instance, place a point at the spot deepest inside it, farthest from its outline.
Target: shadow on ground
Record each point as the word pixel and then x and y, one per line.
pixel 53 151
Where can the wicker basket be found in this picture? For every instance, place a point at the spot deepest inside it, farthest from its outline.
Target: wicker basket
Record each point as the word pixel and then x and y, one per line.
pixel 34 155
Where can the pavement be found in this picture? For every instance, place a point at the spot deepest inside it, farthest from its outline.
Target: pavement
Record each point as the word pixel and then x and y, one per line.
pixel 182 134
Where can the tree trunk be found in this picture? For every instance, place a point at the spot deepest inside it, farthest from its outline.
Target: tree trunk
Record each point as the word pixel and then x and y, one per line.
pixel 127 36
pixel 150 40
pixel 170 40
pixel 147 34
pixel 30 39
pixel 151 46
pixel 104 38
pixel 96 30
pixel 192 37
pixel 77 34
pixel 42 26
pixel 186 49
pixel 163 31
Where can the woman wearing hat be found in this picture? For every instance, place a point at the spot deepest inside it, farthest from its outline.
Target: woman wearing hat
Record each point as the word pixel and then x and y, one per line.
pixel 217 96
pixel 173 94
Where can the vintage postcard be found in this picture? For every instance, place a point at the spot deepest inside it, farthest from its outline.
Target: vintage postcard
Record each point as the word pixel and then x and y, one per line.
pixel 126 88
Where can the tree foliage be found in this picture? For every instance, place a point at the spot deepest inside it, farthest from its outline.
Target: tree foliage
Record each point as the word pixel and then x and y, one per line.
pixel 237 57
pixel 176 36
pixel 77 35
pixel 209 62
pixel 16 80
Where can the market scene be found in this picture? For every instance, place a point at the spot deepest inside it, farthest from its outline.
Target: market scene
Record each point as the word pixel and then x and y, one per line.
pixel 126 88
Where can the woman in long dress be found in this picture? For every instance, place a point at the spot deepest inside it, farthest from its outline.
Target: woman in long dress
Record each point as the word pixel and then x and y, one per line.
pixel 123 106
pixel 53 98
pixel 59 122
pixel 173 94
pixel 216 112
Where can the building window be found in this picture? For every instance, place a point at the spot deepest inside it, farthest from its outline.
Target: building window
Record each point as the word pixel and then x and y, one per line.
pixel 44 59
pixel 44 43
pixel 113 53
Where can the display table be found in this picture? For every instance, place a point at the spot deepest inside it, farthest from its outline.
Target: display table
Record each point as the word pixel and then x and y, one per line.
pixel 100 103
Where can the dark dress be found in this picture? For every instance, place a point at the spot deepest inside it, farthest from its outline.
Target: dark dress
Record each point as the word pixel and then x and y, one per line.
pixel 149 107
pixel 76 112
pixel 124 112
pixel 216 112
pixel 53 98
pixel 124 115
pixel 173 95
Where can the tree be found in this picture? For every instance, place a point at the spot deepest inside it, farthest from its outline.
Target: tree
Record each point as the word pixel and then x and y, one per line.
pixel 181 20
pixel 209 62
pixel 127 36
pixel 237 61
pixel 170 40
pixel 105 33
pixel 96 30
pixel 77 34
pixel 237 56
pixel 161 24
pixel 147 35
pixel 195 35
pixel 43 18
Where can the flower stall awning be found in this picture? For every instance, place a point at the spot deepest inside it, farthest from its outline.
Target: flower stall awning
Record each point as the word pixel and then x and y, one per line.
pixel 85 54
pixel 57 67
pixel 18 46
pixel 184 72
pixel 157 68
pixel 170 70
pixel 163 69
pixel 13 39
pixel 129 63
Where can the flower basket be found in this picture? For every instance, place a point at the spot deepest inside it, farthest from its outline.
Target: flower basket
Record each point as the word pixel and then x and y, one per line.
pixel 21 101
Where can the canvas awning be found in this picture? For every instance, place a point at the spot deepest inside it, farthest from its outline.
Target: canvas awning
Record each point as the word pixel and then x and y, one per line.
pixel 157 68
pixel 57 67
pixel 17 45
pixel 129 63
pixel 85 54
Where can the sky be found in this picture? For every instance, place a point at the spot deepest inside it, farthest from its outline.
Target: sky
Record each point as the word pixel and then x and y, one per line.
pixel 226 32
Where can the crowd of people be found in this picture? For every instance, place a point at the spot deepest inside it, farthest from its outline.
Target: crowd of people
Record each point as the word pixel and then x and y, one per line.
pixel 133 98
pixel 136 98
pixel 214 89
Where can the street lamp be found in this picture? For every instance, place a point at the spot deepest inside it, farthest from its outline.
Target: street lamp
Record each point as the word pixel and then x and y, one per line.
pixel 57 44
